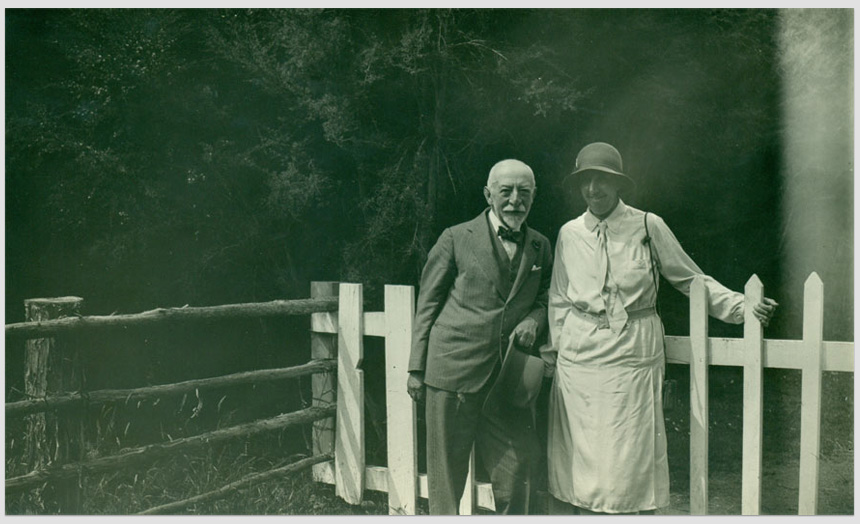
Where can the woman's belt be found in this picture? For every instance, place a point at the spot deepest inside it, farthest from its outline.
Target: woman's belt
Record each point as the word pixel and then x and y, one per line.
pixel 602 321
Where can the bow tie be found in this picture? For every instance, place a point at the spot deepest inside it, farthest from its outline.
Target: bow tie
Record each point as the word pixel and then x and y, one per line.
pixel 510 235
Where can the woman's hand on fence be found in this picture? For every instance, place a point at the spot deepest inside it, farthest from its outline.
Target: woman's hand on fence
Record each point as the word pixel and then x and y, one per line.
pixel 415 386
pixel 765 310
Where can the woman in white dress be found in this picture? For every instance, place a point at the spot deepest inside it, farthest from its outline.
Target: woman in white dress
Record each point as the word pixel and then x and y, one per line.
pixel 607 440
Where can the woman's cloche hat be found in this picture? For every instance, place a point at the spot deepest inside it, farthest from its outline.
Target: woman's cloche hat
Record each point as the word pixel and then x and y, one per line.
pixel 599 156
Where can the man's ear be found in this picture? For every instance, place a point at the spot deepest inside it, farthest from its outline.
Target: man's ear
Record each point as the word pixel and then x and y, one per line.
pixel 487 195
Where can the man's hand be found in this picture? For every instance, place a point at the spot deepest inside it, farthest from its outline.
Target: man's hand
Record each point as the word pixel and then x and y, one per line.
pixel 764 310
pixel 525 332
pixel 415 386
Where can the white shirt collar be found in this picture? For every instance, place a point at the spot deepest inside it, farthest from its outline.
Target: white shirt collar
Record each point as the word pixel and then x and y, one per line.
pixel 591 221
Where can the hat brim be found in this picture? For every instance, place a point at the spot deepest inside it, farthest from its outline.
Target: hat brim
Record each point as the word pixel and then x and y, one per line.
pixel 625 182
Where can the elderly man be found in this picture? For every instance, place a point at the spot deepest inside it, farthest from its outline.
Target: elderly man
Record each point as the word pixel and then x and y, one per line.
pixel 484 285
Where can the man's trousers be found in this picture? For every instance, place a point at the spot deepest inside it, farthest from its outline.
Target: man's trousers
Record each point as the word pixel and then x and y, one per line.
pixel 505 443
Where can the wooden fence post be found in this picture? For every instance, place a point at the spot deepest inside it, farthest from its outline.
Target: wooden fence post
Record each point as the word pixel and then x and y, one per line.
pixel 349 460
pixel 699 413
pixel 53 367
pixel 402 423
pixel 752 432
pixel 810 411
pixel 323 385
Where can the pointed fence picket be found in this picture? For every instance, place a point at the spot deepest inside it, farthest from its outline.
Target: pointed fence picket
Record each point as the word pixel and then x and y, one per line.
pixel 402 422
pixel 810 410
pixel 753 391
pixel 349 432
pixel 405 484
pixel 698 397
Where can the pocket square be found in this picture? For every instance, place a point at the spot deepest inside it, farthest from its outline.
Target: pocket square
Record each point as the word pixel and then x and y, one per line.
pixel 535 268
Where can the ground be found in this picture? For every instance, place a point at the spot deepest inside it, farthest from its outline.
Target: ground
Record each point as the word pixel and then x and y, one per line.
pixel 779 490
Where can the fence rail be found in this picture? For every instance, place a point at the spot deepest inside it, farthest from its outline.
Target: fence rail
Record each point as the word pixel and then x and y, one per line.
pixel 778 354
pixel 103 396
pixel 275 308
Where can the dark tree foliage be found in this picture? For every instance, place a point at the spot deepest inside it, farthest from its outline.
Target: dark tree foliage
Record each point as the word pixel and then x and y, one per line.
pixel 168 157
pixel 207 156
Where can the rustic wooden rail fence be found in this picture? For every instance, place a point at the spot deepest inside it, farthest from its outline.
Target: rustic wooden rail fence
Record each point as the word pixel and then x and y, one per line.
pixel 53 384
pixel 338 326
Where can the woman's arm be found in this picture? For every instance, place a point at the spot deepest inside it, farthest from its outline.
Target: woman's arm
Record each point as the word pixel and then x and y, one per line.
pixel 559 304
pixel 679 269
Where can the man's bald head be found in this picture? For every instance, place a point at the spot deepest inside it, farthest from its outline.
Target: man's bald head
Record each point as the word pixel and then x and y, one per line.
pixel 510 166
pixel 510 191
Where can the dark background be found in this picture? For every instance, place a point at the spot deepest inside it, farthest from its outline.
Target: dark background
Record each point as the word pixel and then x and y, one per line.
pixel 163 158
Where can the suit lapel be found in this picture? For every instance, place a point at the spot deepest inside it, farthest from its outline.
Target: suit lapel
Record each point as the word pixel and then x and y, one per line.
pixel 483 251
pixel 526 264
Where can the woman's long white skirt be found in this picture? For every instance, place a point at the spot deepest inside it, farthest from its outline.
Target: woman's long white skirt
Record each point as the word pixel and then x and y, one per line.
pixel 607 438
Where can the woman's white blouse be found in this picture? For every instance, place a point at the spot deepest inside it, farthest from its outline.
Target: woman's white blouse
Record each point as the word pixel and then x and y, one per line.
pixel 575 282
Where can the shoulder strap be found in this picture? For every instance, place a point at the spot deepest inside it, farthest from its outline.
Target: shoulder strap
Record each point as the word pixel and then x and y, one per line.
pixel 654 273
pixel 647 241
pixel 647 236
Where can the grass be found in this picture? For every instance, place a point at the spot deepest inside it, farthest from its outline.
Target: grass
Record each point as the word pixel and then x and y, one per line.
pixel 185 475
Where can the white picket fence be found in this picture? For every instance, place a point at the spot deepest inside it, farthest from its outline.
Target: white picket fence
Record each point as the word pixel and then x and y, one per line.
pixel 340 334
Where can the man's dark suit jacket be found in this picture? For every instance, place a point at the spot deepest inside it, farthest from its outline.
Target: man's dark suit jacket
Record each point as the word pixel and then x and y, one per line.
pixel 463 318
